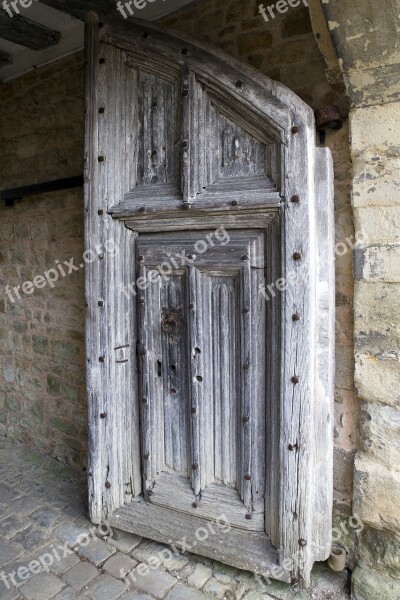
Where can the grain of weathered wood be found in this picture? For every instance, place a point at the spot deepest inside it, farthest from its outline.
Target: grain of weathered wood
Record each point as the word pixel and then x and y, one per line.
pixel 114 468
pixel 242 164
pixel 325 354
pixel 25 32
pixel 177 493
pixel 172 527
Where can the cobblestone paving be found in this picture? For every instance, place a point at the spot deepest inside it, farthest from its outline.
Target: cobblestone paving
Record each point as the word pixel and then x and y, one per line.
pixel 43 513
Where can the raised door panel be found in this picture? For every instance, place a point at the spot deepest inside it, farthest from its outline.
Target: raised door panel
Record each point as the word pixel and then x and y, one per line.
pixel 202 365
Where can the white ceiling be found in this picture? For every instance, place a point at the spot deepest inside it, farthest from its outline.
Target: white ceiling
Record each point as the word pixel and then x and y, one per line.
pixel 72 34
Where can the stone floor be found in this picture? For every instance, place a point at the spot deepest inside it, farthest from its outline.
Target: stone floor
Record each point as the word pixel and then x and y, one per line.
pixel 49 549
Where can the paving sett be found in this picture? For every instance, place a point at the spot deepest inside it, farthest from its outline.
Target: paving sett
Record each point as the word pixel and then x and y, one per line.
pixel 43 517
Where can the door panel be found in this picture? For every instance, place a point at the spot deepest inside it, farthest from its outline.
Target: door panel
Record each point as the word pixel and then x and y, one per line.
pixel 202 373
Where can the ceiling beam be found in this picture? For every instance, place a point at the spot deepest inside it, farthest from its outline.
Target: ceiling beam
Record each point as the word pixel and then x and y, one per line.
pixel 5 58
pixel 22 31
pixel 79 8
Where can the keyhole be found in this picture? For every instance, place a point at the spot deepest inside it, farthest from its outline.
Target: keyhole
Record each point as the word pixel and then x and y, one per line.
pixel 159 368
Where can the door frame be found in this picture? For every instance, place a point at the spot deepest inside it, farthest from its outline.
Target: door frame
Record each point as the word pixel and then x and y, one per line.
pixel 300 438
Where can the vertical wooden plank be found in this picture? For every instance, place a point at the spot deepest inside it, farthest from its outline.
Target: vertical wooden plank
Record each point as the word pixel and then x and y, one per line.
pixel 111 343
pixel 258 369
pixel 186 131
pixel 196 336
pixel 174 375
pixel 150 351
pixel 325 354
pixel 201 369
pixel 297 368
pixel 247 383
pixel 92 273
pixel 226 367
pixel 272 300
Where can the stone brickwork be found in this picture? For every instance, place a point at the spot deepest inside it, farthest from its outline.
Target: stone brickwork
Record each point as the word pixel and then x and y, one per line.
pixel 283 48
pixel 42 127
pixel 42 389
pixel 367 42
pixel 376 152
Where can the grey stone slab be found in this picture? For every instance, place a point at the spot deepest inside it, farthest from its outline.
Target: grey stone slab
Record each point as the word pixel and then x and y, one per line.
pixel 30 538
pixel 67 594
pixel 12 525
pixel 125 542
pixel 45 517
pixel 25 505
pixel 106 587
pixel 5 512
pixel 59 567
pixel 119 565
pixel 69 532
pixel 7 593
pixel 218 590
pixel 8 494
pixel 80 575
pixel 41 587
pixel 182 592
pixel 152 581
pixel 8 552
pixel 200 576
pixel 96 552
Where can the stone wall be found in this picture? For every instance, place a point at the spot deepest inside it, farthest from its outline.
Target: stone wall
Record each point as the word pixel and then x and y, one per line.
pixel 42 370
pixel 42 388
pixel 367 41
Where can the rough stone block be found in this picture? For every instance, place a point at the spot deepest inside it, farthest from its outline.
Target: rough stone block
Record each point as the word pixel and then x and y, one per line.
pixel 377 379
pixel 376 182
pixel 67 594
pixel 41 587
pixel 200 576
pixel 97 552
pixel 379 224
pixel 378 263
pixel 218 590
pixel 152 581
pixel 105 587
pixel 380 433
pixel 123 541
pixel 376 495
pixel 119 565
pixel 368 584
pixel 181 592
pixel 80 575
pixel 374 130
pixel 376 317
pixel 381 551
pixel 70 532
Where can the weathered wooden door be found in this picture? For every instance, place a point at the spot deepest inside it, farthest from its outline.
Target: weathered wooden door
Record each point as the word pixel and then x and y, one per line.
pixel 210 304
